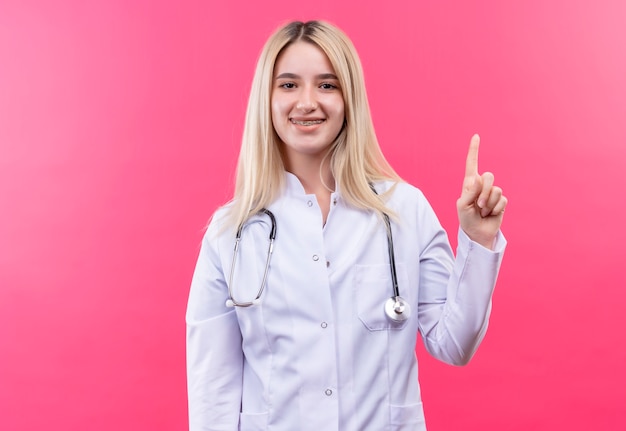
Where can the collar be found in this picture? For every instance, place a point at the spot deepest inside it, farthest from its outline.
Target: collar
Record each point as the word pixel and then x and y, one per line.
pixel 293 187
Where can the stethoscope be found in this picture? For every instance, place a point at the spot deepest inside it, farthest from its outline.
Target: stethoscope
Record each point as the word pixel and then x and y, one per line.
pixel 396 307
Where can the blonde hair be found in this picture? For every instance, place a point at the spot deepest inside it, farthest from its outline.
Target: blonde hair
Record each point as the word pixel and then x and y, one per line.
pixel 356 160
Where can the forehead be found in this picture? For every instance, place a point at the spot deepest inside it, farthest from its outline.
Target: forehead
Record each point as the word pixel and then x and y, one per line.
pixel 302 58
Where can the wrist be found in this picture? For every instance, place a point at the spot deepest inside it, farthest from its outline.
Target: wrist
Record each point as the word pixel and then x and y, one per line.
pixel 487 241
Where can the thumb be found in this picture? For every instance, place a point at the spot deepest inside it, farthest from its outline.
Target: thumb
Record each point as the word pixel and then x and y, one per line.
pixel 472 186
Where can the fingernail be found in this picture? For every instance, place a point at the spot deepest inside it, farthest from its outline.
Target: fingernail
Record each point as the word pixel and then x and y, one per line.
pixel 481 203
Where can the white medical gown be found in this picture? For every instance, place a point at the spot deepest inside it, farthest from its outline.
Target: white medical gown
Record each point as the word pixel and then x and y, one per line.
pixel 318 352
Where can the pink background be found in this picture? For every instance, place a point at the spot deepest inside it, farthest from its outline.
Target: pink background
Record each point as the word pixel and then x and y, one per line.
pixel 119 129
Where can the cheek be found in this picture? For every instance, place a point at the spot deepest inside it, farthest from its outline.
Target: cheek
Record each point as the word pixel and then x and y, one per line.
pixel 340 110
pixel 278 109
pixel 339 105
pixel 275 112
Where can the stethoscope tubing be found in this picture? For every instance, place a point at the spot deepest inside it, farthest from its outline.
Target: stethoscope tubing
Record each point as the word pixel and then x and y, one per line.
pixel 272 237
pixel 392 256
pixel 396 307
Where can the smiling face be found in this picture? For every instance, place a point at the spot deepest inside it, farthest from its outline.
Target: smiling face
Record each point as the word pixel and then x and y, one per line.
pixel 306 102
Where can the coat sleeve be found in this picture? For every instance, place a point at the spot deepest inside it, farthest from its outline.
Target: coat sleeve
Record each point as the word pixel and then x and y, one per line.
pixel 455 294
pixel 214 352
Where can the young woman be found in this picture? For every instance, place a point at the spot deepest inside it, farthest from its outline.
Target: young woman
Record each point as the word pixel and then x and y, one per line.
pixel 308 320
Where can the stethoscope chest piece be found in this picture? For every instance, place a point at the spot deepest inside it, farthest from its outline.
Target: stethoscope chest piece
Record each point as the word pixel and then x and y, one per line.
pixel 397 309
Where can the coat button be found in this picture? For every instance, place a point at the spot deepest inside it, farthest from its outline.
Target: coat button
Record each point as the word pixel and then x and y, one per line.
pixel 310 203
pixel 316 257
pixel 328 392
pixel 324 325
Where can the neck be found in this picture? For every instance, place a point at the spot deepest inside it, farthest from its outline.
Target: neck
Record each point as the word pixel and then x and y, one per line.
pixel 313 172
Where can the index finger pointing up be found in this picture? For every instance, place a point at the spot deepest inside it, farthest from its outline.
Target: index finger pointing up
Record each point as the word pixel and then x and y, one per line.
pixel 471 164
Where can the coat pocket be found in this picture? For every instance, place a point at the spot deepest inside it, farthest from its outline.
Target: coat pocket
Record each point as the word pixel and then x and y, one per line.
pixel 409 417
pixel 372 288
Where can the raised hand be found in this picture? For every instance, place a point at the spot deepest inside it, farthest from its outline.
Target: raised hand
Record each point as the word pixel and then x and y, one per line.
pixel 481 205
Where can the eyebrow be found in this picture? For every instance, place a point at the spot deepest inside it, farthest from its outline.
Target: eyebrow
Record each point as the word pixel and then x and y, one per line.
pixel 288 75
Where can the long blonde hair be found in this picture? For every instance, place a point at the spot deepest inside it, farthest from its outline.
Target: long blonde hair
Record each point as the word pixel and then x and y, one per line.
pixel 356 160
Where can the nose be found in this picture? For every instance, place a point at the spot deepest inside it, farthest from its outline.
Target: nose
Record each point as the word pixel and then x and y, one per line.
pixel 306 102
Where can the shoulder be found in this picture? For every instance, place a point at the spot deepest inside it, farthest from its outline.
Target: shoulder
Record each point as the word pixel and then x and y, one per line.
pixel 399 191
pixel 220 223
pixel 407 202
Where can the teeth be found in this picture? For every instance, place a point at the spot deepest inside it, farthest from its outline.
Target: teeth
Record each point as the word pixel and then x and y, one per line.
pixel 307 123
